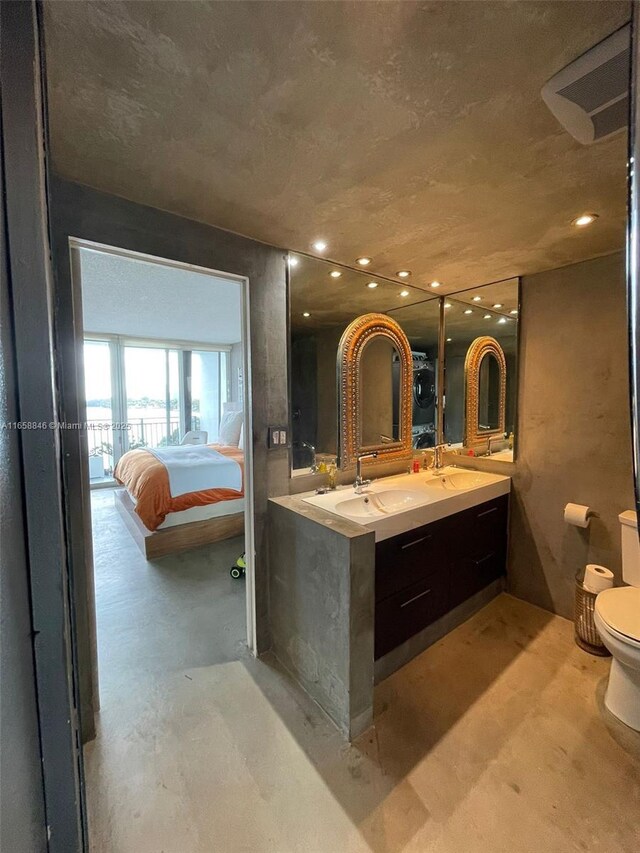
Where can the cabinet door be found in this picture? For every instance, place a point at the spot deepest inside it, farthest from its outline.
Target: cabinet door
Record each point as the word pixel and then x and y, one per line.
pixel 404 614
pixel 481 549
pixel 408 558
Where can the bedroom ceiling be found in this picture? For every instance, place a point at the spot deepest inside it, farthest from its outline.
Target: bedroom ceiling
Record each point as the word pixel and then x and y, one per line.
pixel 413 133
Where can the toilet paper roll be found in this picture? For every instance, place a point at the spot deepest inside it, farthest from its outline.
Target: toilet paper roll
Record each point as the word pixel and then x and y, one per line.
pixel 597 578
pixel 577 514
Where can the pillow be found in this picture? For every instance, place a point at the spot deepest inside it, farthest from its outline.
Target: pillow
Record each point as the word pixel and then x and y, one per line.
pixel 230 426
pixel 241 439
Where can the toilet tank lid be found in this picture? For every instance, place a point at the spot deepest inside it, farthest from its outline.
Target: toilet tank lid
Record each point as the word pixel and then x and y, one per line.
pixel 630 518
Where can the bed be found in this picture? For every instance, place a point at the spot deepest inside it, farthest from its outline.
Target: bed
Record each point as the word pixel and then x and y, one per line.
pixel 161 511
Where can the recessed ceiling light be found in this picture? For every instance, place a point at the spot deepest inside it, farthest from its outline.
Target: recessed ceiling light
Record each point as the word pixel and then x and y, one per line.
pixel 449 340
pixel 404 293
pixel 515 311
pixel 498 305
pixel 403 273
pixel 447 305
pixel 477 298
pixel 487 316
pixel 293 262
pixel 306 314
pixel 502 320
pixel 364 262
pixel 585 219
pixel 468 311
pixel 335 273
pixel 372 284
pixel 320 246
pixel 433 283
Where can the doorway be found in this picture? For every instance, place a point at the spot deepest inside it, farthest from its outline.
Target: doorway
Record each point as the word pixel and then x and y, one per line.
pixel 164 351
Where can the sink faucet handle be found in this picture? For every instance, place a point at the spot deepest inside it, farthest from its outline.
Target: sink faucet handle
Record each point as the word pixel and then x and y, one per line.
pixel 359 483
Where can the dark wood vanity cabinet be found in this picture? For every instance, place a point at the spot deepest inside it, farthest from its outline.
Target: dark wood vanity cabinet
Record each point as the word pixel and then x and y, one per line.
pixel 423 574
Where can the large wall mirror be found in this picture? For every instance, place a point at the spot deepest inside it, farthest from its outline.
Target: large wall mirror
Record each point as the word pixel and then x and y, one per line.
pixel 481 378
pixel 325 298
pixel 322 304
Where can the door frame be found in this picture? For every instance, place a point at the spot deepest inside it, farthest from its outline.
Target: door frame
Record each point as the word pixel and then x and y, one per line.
pixel 77 243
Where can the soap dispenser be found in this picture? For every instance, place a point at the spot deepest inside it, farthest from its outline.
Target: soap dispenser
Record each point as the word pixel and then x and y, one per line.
pixel 333 475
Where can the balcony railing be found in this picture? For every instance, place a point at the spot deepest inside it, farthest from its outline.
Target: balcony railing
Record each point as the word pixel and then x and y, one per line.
pixel 142 432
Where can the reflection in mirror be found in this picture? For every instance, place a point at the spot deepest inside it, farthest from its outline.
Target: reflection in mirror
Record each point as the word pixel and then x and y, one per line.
pixel 489 394
pixel 380 392
pixel 491 310
pixel 321 308
pixel 420 323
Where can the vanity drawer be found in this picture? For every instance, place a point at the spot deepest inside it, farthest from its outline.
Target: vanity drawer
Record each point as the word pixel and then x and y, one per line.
pixel 408 558
pixel 481 556
pixel 471 574
pixel 404 614
pixel 487 527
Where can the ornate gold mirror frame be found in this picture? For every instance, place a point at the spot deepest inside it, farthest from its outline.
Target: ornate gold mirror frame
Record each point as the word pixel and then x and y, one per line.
pixel 478 350
pixel 352 344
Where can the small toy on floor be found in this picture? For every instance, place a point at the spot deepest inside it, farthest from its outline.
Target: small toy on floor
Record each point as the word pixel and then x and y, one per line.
pixel 239 569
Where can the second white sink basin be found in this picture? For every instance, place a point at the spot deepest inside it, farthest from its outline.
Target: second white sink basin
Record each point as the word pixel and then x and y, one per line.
pixel 456 481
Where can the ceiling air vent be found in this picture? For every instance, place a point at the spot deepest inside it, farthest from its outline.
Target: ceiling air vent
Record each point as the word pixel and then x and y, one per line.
pixel 590 97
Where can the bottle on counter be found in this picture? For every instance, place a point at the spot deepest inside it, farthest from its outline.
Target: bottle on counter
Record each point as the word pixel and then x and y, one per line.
pixel 333 475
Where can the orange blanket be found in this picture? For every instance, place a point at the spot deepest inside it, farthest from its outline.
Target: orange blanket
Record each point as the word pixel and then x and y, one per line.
pixel 146 479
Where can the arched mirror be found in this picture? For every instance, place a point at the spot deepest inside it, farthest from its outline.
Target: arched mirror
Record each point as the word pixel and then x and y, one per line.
pixel 485 391
pixel 374 381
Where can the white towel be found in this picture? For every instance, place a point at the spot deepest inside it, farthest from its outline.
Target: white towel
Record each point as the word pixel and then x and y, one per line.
pixel 196 468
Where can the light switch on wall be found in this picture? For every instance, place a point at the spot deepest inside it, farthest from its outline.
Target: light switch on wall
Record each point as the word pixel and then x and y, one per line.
pixel 277 437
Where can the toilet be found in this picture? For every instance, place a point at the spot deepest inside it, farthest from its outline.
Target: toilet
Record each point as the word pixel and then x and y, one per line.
pixel 617 618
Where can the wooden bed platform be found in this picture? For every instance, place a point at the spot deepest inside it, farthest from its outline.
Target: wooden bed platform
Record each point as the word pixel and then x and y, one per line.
pixel 182 537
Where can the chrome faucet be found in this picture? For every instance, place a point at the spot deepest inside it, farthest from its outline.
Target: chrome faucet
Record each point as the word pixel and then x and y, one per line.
pixel 438 457
pixel 314 464
pixel 359 484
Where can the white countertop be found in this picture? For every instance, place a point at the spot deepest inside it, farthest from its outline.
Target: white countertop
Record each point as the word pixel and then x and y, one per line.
pixel 393 505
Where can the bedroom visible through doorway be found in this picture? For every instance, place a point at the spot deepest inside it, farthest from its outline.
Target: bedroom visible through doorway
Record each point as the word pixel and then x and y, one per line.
pixel 164 364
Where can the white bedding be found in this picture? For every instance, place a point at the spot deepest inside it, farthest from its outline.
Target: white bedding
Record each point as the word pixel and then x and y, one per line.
pixel 197 468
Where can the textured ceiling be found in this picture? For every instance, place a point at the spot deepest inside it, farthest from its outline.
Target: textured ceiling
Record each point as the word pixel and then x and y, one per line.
pixel 128 296
pixel 411 132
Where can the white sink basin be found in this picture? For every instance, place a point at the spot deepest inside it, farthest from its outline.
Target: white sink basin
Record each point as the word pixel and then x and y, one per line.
pixel 456 481
pixel 374 504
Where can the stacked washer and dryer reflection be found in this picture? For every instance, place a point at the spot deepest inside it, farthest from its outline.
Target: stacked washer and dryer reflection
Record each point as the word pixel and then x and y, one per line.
pixel 424 401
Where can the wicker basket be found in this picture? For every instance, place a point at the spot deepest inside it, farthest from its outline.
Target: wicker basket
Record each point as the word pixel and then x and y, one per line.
pixel 587 636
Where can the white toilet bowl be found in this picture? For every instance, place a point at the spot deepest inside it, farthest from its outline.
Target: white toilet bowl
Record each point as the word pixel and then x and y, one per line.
pixel 617 619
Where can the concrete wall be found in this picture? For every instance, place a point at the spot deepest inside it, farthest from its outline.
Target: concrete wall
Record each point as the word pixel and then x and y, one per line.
pixel 78 211
pixel 322 574
pixel 573 434
pixel 22 827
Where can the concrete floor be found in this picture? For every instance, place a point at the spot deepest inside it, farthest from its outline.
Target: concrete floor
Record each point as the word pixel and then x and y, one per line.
pixel 493 740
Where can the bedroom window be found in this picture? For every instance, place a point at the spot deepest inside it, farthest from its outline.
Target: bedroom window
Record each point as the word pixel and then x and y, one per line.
pixel 152 380
pixel 209 390
pixel 159 389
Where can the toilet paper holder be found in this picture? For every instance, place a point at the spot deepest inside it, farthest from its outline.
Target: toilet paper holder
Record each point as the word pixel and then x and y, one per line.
pixel 579 515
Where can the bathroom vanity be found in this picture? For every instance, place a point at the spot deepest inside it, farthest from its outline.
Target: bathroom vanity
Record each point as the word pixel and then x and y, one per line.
pixel 427 572
pixel 365 577
pixel 361 583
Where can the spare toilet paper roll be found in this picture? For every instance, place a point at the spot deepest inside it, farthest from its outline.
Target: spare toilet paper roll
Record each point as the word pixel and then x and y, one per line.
pixel 577 514
pixel 597 578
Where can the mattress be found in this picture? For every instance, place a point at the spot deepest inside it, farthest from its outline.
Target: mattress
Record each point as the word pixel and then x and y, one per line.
pixel 146 480
pixel 201 513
